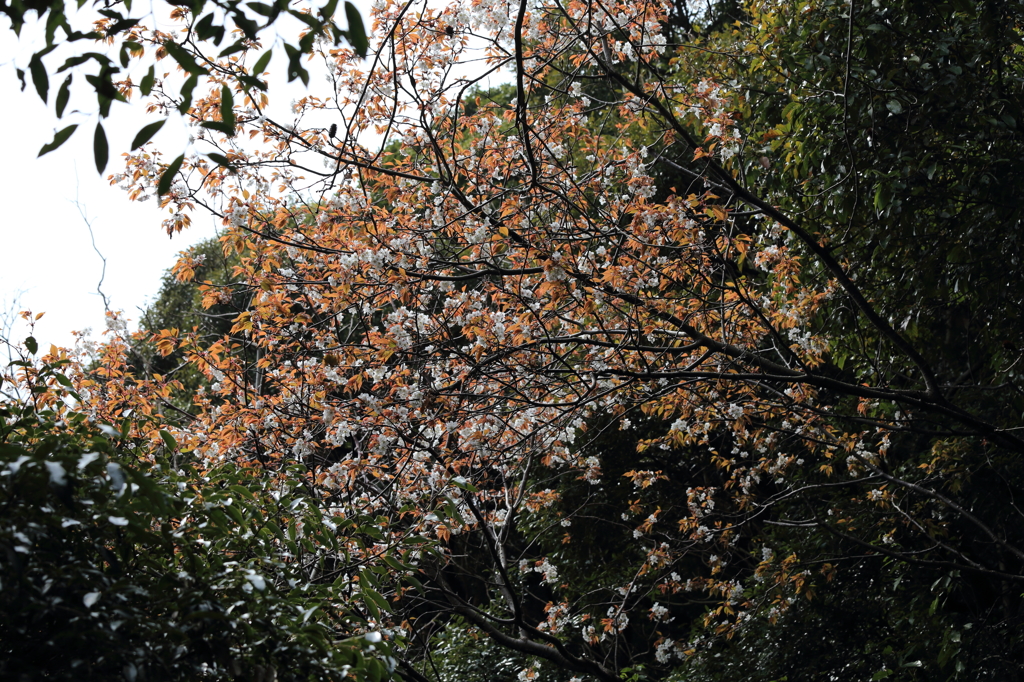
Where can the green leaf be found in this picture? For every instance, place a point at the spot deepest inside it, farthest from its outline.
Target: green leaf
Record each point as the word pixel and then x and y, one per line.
pixel 39 77
pixel 375 670
pixel 414 540
pixel 168 177
pixel 248 27
pixel 295 68
pixel 100 148
pixel 58 139
pixel 328 10
pixel 233 48
pixel 146 85
pixel 205 29
pixel 235 513
pixel 62 96
pixel 184 59
pixel 415 582
pixel 146 133
pixel 72 62
pixel 278 533
pixel 104 86
pixel 227 109
pixel 221 160
pixel 241 491
pixel 168 440
pixel 31 344
pixel 219 518
pixel 55 20
pixel 465 485
pixel 261 64
pixel 306 42
pixel 259 67
pixel 356 30
pixel 261 8
pixel 219 126
pixel 883 197
pixel 186 94
pixel 374 602
pixel 307 19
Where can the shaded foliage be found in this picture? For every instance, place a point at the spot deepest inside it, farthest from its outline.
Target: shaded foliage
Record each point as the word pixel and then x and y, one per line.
pixel 117 566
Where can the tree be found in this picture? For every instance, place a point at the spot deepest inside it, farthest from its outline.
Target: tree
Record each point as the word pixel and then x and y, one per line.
pixel 117 564
pixel 664 354
pixel 180 306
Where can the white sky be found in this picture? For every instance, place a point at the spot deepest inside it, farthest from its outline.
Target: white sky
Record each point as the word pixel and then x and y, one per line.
pixel 44 242
pixel 47 263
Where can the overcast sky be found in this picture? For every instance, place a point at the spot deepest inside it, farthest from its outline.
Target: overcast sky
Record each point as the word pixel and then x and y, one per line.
pixel 48 262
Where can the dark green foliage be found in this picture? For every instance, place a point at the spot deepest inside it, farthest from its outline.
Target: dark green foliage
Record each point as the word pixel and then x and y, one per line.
pixel 901 150
pixel 893 137
pixel 178 305
pixel 113 566
pixel 874 620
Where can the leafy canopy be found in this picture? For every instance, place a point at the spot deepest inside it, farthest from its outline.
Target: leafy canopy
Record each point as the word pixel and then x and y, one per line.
pixel 702 325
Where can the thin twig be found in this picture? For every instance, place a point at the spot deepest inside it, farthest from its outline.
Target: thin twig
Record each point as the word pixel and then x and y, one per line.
pixel 92 237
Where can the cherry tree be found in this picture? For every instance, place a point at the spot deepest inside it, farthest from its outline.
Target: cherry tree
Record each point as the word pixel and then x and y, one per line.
pixel 538 268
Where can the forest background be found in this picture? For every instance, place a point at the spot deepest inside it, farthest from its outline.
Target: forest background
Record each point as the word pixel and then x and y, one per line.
pixel 691 352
